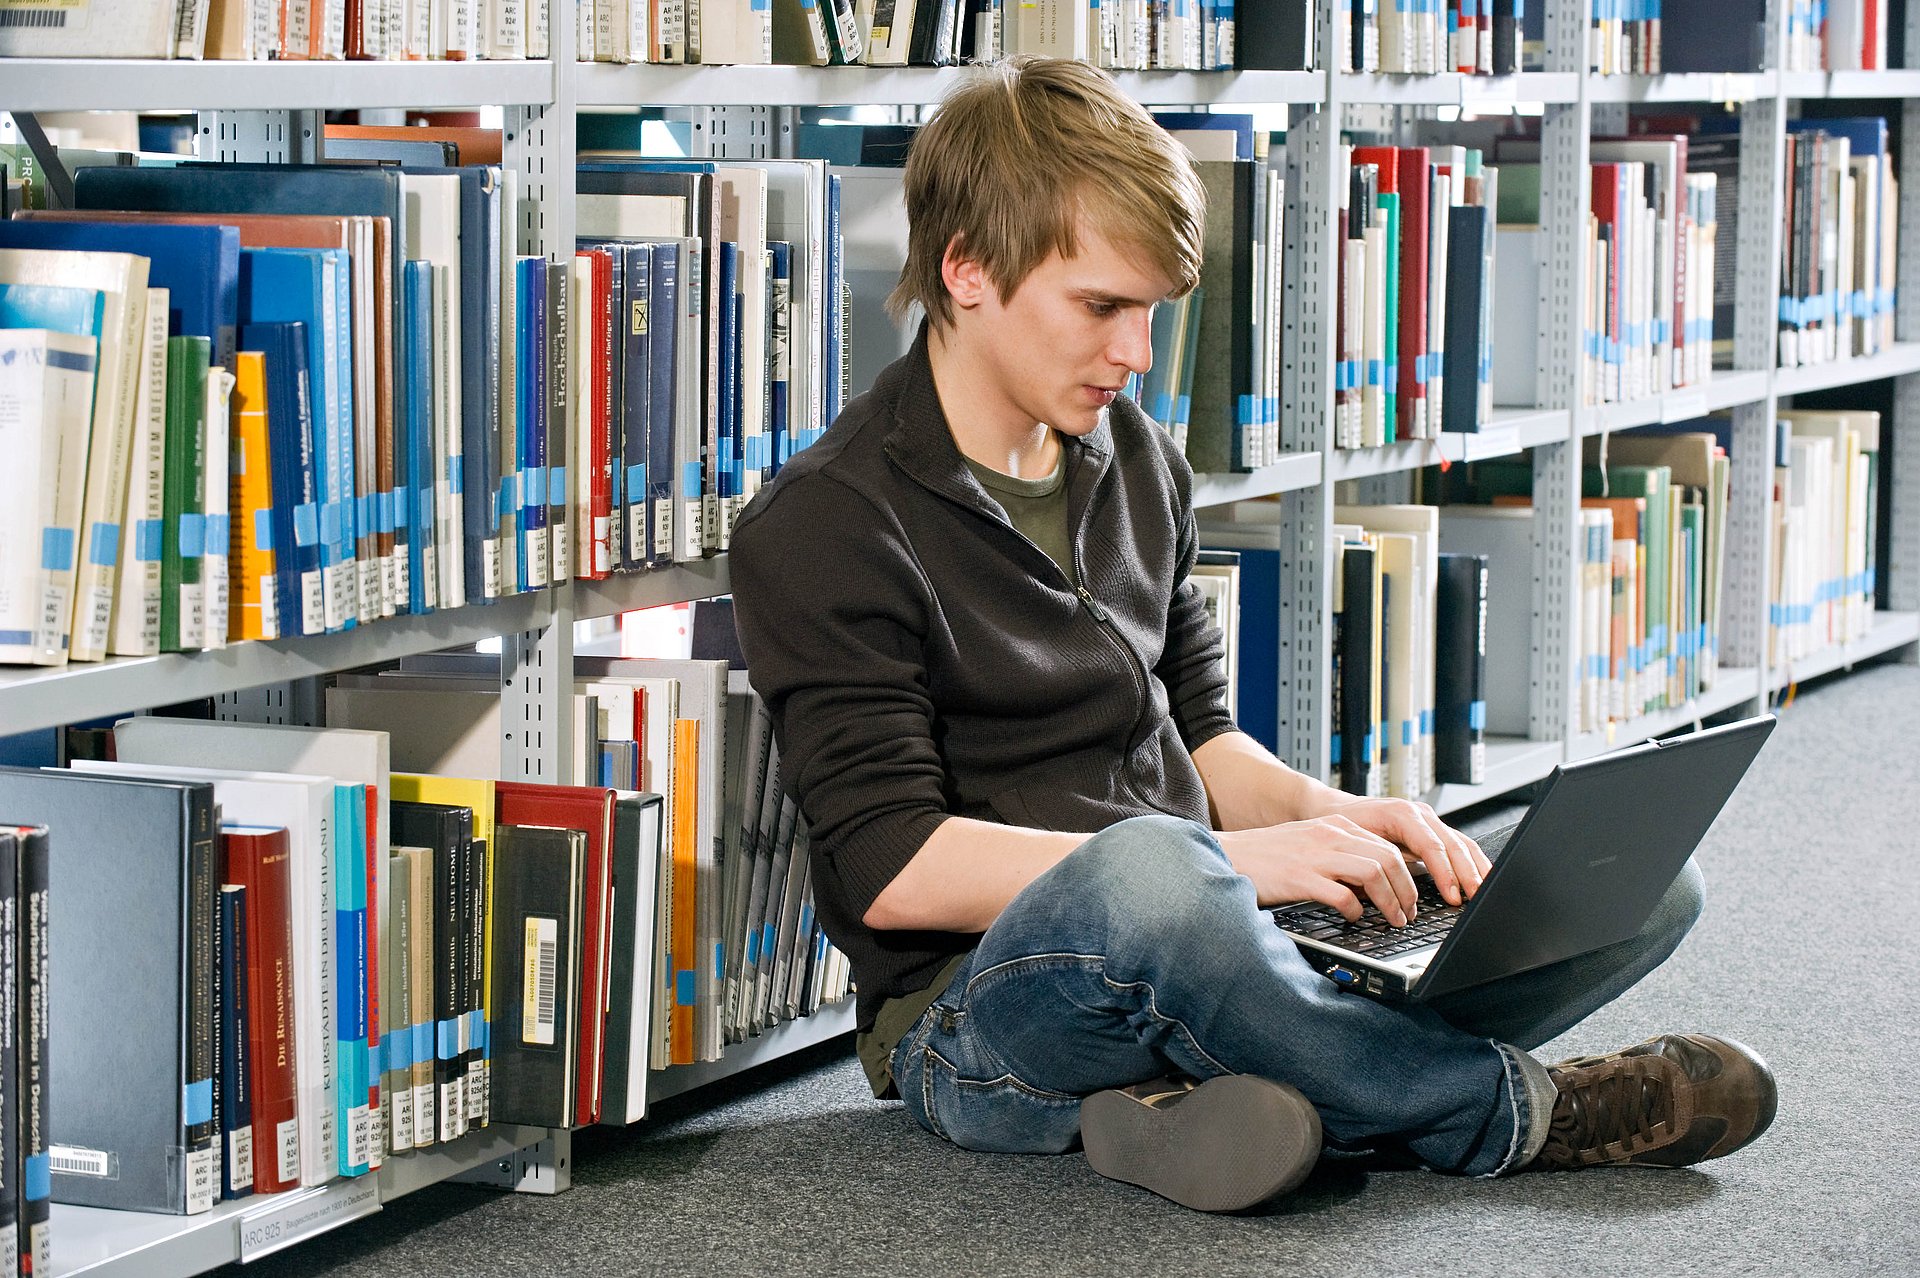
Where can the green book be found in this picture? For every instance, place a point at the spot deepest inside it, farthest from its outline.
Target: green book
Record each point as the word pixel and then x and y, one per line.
pixel 183 506
pixel 1390 384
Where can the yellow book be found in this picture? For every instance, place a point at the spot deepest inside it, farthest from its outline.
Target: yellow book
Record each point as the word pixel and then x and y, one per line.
pixel 477 794
pixel 250 560
pixel 686 797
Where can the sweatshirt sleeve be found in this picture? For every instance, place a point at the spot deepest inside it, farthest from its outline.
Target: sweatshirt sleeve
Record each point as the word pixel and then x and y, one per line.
pixel 831 608
pixel 1193 664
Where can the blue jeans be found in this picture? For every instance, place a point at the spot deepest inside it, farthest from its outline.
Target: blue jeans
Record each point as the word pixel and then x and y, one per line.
pixel 1144 953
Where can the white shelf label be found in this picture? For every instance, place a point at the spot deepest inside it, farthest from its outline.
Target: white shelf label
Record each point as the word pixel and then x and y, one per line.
pixel 297 1216
pixel 1492 443
pixel 1732 87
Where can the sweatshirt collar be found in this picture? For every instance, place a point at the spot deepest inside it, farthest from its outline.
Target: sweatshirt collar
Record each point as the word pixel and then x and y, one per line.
pixel 922 444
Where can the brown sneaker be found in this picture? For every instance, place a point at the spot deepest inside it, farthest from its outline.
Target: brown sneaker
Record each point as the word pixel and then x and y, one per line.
pixel 1668 1102
pixel 1226 1144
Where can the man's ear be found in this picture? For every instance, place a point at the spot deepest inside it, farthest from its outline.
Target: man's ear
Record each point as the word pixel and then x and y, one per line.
pixel 966 280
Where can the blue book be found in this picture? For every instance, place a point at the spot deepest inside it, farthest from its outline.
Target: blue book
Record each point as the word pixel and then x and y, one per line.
pixel 350 976
pixel 780 355
pixel 236 1056
pixel 663 333
pixel 413 503
pixel 1241 126
pixel 199 266
pixel 727 464
pixel 633 343
pixel 295 522
pixel 833 363
pixel 303 286
pixel 80 311
pixel 530 389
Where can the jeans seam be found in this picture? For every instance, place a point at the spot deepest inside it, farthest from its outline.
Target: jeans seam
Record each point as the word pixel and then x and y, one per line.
pixel 1153 1010
pixel 1008 1079
pixel 1519 1101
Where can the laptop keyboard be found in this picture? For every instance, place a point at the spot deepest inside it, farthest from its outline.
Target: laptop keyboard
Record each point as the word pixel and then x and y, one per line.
pixel 1372 935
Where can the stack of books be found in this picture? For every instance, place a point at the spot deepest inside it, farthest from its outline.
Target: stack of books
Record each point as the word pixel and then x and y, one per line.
pixel 284 30
pixel 1823 578
pixel 1837 254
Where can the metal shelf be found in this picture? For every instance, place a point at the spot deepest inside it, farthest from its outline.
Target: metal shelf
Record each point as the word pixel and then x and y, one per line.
pixel 1511 763
pixel 1452 88
pixel 42 697
pixel 625 592
pixel 1896 361
pixel 1723 390
pixel 99 84
pixel 1513 430
pixel 1700 86
pixel 1290 474
pixel 131 1244
pixel 1850 84
pixel 604 84
pixel 783 1039
pixel 1731 687
pixel 1890 630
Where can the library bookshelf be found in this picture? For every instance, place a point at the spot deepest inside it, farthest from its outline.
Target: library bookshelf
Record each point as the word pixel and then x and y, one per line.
pixel 273 112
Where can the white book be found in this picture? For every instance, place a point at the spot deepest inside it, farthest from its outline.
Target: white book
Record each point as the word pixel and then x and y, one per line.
pixel 1504 534
pixel 135 630
pixel 649 814
pixel 1413 607
pixel 433 236
pixel 303 804
pixel 46 385
pixel 214 498
pixel 96 29
pixel 743 221
pixel 593 538
pixel 702 695
pixel 359 758
pixel 122 280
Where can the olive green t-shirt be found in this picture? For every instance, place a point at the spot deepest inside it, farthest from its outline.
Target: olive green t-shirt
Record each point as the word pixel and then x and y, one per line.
pixel 1037 508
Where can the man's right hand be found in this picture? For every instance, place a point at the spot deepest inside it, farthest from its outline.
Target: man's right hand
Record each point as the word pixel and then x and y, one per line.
pixel 1328 859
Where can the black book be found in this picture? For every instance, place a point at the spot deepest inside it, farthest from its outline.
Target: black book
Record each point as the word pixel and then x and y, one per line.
pixel 1467 284
pixel 1275 35
pixel 1506 38
pixel 444 830
pixel 539 915
pixel 236 1095
pixel 1460 671
pixel 118 935
pixel 474 1002
pixel 11 1162
pixel 1357 740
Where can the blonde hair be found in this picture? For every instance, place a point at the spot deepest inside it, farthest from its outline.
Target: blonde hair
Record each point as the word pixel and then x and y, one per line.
pixel 1018 152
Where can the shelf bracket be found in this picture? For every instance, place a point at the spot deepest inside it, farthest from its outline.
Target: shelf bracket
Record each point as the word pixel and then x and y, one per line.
pixel 542 1168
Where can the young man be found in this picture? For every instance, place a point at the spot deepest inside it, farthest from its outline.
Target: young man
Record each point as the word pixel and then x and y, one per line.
pixel 1036 832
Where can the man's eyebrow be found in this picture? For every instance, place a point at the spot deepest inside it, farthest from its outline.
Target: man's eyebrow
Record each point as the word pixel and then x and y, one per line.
pixel 1115 299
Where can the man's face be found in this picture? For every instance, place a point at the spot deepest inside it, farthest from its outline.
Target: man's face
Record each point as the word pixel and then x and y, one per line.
pixel 1066 341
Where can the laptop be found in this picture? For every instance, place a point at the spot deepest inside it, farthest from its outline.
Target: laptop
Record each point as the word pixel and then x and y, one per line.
pixel 1603 841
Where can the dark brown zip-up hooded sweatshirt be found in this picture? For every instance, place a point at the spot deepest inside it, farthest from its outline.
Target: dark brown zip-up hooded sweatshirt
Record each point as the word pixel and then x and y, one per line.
pixel 922 659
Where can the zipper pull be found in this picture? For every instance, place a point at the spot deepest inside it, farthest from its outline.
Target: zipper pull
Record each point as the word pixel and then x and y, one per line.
pixel 1099 613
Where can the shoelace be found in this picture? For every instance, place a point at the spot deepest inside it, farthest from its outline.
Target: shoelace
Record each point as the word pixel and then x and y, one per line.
pixel 1612 1110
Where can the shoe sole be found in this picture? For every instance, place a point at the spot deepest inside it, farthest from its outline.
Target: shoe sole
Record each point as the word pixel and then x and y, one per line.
pixel 1233 1142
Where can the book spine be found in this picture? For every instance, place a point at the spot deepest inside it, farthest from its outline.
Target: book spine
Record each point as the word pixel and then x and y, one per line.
pixel 448 1083
pixel 477 1036
pixel 236 1093
pixel 34 1077
pixel 561 538
pixel 272 1044
pixel 200 1118
pixel 136 615
pixel 350 983
pixel 11 1075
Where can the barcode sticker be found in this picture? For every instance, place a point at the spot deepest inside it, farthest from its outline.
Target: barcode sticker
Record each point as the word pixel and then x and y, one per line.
pixel 287 1137
pixel 376 1135
pixel 74 1161
pixel 562 553
pixel 602 544
pixel 481 1089
pixel 539 959
pixel 490 555
pixel 537 562
pixel 240 1156
pixel 99 617
pixel 453 1110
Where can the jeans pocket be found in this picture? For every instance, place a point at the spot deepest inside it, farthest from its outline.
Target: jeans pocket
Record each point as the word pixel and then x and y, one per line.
pixel 999 1115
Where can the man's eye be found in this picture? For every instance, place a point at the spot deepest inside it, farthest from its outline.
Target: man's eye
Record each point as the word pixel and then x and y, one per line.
pixel 1102 309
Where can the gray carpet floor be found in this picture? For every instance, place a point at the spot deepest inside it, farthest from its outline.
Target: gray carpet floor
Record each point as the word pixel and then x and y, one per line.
pixel 799 1171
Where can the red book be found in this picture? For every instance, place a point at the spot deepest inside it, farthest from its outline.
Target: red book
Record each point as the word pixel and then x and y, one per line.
pixel 1404 171
pixel 587 808
pixel 257 859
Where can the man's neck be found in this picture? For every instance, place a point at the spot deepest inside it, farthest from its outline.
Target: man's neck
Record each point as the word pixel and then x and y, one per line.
pixel 991 430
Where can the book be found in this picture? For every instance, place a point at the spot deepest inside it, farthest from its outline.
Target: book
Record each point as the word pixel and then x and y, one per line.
pixel 258 862
pixel 445 831
pixel 46 390
pixel 119 931
pixel 537 967
pixel 1460 642
pixel 298 561
pixel 235 1102
pixel 636 855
